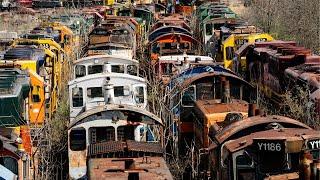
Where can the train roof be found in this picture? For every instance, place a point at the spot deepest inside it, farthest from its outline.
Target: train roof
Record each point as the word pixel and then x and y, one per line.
pixel 308 73
pixel 254 124
pixel 147 168
pixel 298 136
pixel 171 36
pixel 14 88
pixel 105 59
pixel 167 29
pixel 92 77
pixel 84 117
pixel 205 75
pixel 25 53
pixel 194 71
pixel 116 45
pixel 182 57
pixel 211 108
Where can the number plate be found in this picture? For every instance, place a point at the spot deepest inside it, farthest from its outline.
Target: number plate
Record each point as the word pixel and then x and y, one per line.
pixel 313 144
pixel 269 145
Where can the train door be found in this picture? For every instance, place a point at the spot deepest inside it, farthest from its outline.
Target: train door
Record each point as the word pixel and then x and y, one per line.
pixel 243 167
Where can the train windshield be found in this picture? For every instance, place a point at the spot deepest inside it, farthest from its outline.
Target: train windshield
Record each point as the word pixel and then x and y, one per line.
pixel 77 139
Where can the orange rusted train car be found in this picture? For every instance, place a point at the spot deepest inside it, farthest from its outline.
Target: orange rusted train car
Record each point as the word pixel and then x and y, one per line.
pixel 229 139
pixel 278 66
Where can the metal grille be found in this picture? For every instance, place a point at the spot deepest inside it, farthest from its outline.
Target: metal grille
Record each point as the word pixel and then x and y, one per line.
pixel 106 147
pixel 144 147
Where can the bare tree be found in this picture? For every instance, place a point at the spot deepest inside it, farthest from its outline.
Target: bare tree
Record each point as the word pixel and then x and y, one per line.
pixel 297 20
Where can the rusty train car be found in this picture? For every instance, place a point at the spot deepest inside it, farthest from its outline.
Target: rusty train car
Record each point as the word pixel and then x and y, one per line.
pixel 111 134
pixel 32 71
pixel 228 138
pixel 278 66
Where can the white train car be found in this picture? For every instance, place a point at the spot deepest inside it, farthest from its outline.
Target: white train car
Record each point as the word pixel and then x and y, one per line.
pixel 106 88
pixel 105 64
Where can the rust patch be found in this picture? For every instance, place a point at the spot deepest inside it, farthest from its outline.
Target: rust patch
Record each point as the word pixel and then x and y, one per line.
pixel 121 168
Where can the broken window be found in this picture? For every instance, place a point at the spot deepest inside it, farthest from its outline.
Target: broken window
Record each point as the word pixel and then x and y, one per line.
pixel 117 68
pixel 125 133
pixel 132 70
pixel 93 92
pixel 94 69
pixel 208 29
pixel 77 97
pixel 80 71
pixel 229 53
pixel 101 134
pixel 121 91
pixel 189 96
pixel 139 94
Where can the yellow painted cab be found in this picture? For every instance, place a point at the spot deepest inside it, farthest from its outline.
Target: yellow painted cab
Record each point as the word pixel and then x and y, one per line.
pixel 235 41
pixel 66 36
pixel 35 60
pixel 55 64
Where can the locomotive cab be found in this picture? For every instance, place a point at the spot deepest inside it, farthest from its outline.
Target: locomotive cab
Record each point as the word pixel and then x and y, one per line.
pixel 274 153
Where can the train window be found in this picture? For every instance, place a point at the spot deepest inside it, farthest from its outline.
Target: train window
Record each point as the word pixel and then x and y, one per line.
pixel 25 169
pixel 189 96
pixel 102 134
pixel 10 163
pixel 184 46
pixel 109 12
pixel 139 94
pixel 244 161
pixel 245 167
pixel 93 92
pixel 240 42
pixel 229 53
pixel 167 46
pixel 315 154
pixel 132 70
pixel 235 92
pixel 67 39
pixel 155 48
pixel 80 71
pixel 117 68
pixel 77 97
pixel 205 91
pixel 261 40
pixel 77 139
pixel 94 69
pixel 148 134
pixel 118 91
pixel 35 93
pixel 166 68
pixel 125 133
pixel 275 164
pixel 208 29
